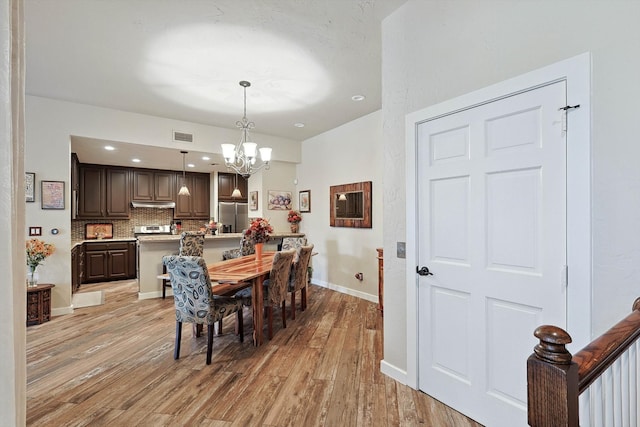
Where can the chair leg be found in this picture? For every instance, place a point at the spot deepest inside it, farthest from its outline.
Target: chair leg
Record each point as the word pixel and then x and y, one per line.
pixel 293 305
pixel 240 324
pixel 303 294
pixel 269 321
pixel 284 314
pixel 164 282
pixel 209 343
pixel 176 350
pixel 220 327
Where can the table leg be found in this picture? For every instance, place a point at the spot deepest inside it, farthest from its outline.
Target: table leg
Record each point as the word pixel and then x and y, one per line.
pixel 257 302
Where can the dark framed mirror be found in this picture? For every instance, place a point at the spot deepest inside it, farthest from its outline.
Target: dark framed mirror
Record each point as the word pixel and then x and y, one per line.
pixel 350 205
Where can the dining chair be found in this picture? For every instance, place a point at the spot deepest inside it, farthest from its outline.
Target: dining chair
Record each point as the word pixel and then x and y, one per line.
pixel 293 243
pixel 298 278
pixel 191 244
pixel 194 301
pixel 247 247
pixel 275 288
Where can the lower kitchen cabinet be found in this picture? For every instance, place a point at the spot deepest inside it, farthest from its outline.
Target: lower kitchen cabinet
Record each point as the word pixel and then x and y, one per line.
pixel 105 261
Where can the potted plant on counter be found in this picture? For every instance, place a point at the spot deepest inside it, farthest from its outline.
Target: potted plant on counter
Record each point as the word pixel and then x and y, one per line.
pixel 294 219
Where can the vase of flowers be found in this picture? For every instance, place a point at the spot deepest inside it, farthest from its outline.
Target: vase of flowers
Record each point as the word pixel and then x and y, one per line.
pixel 258 233
pixel 294 219
pixel 37 251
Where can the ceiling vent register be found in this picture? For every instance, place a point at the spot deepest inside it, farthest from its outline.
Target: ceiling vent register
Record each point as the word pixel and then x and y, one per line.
pixel 182 136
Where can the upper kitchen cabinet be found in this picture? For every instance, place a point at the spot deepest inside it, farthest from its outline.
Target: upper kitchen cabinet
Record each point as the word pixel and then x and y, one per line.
pixel 226 185
pixel 104 192
pixel 195 206
pixel 153 185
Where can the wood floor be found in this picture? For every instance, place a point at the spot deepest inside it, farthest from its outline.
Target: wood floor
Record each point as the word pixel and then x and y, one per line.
pixel 113 365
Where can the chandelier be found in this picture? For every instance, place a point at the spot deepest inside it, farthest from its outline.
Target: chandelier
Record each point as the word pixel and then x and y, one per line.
pixel 242 157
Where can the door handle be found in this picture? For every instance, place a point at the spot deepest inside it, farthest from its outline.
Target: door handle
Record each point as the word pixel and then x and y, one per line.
pixel 424 271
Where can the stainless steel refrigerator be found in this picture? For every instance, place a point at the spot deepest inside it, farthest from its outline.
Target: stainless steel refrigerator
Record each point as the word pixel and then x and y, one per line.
pixel 233 216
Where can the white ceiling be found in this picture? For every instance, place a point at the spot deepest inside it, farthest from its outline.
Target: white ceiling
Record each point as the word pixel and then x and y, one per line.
pixel 183 60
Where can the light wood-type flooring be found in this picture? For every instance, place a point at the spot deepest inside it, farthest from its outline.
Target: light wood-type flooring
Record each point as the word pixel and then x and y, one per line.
pixel 113 365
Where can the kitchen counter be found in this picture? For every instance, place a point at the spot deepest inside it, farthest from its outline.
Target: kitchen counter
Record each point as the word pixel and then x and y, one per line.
pixel 79 242
pixel 151 249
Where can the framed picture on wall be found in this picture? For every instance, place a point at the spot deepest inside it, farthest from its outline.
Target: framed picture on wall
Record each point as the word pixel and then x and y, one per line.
pixel 30 186
pixel 253 200
pixel 52 194
pixel 279 200
pixel 304 201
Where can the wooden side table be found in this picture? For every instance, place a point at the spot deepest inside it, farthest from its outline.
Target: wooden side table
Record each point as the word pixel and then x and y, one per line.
pixel 39 304
pixel 380 281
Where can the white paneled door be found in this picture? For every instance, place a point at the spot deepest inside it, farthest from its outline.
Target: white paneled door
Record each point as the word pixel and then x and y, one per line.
pixel 492 234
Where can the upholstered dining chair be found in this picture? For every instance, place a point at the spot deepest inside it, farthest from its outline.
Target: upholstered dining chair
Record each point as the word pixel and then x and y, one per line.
pixel 275 288
pixel 247 247
pixel 298 278
pixel 191 244
pixel 194 301
pixel 293 243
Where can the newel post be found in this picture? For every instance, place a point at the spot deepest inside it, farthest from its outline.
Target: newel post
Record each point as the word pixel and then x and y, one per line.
pixel 552 381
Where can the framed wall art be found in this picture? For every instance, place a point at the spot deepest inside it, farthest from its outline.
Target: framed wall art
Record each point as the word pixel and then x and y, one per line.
pixel 52 194
pixel 30 186
pixel 304 201
pixel 253 200
pixel 279 200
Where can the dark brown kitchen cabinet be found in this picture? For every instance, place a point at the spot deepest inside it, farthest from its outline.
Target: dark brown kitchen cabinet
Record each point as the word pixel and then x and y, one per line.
pixel 227 183
pixel 105 261
pixel 77 267
pixel 195 206
pixel 153 185
pixel 104 192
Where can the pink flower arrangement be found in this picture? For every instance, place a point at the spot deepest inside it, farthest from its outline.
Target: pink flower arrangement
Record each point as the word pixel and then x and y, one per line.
pixel 259 230
pixel 294 217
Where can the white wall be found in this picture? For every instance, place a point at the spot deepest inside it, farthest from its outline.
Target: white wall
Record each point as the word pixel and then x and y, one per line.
pixel 347 154
pixel 437 50
pixel 49 126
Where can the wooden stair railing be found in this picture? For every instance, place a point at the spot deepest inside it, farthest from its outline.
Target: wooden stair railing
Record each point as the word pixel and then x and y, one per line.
pixel 555 378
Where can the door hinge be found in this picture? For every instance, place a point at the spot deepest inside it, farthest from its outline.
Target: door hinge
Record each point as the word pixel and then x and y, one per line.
pixel 564 276
pixel 564 114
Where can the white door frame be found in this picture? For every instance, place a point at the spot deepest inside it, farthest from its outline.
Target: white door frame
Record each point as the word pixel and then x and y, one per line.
pixel 576 72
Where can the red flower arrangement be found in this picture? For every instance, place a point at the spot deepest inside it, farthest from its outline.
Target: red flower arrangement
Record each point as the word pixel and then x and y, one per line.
pixel 294 217
pixel 259 230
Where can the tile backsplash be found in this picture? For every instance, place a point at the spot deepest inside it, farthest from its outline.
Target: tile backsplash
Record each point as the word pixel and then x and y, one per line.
pixel 123 228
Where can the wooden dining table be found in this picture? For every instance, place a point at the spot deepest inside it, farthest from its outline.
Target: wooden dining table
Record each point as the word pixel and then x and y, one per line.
pixel 246 269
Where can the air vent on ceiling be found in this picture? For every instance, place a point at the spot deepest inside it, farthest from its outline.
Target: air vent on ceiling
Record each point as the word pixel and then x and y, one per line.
pixel 182 136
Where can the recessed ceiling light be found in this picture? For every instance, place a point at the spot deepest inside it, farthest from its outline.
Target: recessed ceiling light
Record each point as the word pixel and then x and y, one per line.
pixel 206 158
pixel 135 160
pixel 299 125
pixel 191 165
pixel 357 98
pixel 109 148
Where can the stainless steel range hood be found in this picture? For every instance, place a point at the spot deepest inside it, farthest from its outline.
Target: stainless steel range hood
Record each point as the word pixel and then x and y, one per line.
pixel 155 205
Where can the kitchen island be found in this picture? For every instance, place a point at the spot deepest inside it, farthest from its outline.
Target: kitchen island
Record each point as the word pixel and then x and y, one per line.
pixel 151 249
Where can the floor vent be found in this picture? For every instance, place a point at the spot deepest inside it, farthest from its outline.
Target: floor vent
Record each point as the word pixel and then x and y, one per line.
pixel 182 136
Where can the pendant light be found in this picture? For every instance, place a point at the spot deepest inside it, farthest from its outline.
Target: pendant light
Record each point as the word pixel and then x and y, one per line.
pixel 184 191
pixel 236 192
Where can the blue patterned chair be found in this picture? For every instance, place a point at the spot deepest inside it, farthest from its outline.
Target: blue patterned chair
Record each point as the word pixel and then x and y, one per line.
pixel 191 244
pixel 247 247
pixel 298 278
pixel 275 288
pixel 194 301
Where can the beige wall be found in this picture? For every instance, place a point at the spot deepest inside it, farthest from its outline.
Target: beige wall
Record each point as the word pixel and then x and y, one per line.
pixel 347 154
pixel 437 50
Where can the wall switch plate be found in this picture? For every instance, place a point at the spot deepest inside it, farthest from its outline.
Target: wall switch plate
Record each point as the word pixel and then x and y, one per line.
pixel 401 250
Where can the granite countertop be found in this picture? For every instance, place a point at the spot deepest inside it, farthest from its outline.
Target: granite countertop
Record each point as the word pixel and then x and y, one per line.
pixel 223 236
pixel 124 239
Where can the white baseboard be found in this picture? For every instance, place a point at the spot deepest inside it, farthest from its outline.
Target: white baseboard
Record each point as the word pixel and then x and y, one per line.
pixel 344 290
pixel 60 311
pixel 393 372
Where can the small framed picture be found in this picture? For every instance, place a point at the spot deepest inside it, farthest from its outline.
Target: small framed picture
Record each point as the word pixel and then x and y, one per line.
pixel 52 194
pixel 279 200
pixel 30 186
pixel 304 201
pixel 253 200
